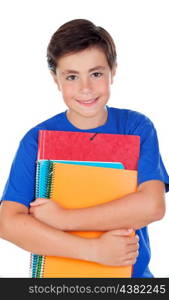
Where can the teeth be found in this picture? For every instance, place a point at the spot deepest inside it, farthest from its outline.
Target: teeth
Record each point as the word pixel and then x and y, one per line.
pixel 89 101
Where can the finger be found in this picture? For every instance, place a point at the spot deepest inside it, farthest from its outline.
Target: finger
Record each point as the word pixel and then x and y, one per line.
pixel 39 201
pixel 121 232
pixel 132 247
pixel 131 259
pixel 133 255
pixel 133 239
pixel 130 262
pixel 132 251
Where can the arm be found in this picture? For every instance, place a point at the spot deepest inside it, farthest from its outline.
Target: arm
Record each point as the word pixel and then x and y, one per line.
pixel 22 229
pixel 135 210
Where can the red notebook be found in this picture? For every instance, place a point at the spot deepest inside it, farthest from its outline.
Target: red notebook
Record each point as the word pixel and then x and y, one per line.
pixel 85 146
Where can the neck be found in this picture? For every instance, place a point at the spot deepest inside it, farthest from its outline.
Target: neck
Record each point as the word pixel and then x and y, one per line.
pixel 84 122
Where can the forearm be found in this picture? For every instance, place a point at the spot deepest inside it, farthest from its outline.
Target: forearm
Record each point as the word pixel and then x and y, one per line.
pixel 34 236
pixel 135 210
pixel 122 213
pixel 19 227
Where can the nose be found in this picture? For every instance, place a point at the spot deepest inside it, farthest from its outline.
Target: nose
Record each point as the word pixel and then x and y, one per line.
pixel 85 85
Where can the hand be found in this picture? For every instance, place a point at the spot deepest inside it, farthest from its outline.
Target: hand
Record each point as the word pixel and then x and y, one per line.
pixel 49 212
pixel 117 248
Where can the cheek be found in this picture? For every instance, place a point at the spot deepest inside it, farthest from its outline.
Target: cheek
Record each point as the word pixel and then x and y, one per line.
pixel 103 87
pixel 67 91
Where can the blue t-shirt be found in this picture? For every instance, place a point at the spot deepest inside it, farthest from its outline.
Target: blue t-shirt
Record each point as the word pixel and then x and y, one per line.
pixel 20 186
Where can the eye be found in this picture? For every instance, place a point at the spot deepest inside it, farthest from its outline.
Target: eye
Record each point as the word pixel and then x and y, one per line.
pixel 71 77
pixel 96 74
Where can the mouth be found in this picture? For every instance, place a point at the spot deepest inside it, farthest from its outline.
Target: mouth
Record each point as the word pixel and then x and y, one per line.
pixel 89 102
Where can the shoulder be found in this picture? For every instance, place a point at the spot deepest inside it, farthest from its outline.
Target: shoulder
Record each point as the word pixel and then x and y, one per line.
pixel 132 122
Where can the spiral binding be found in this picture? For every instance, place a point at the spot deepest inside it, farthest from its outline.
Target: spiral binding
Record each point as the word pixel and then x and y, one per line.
pixel 45 184
pixel 34 257
pixel 40 267
pixel 42 190
pixel 37 179
pixel 52 179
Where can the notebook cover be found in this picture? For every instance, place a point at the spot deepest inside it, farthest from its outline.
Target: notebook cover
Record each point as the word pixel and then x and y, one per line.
pixel 105 164
pixel 82 146
pixel 103 185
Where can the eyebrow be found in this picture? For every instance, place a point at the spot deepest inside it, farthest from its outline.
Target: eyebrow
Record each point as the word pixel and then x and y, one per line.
pixel 90 70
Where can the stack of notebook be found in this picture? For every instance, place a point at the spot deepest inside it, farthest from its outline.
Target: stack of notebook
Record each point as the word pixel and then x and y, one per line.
pixel 77 170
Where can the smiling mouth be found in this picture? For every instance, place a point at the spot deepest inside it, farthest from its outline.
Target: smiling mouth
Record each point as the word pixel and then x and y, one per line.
pixel 88 102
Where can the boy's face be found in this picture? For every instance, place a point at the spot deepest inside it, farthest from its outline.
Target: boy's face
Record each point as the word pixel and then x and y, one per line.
pixel 84 78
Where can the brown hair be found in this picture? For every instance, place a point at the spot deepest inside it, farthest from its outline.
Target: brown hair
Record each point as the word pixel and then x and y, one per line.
pixel 77 35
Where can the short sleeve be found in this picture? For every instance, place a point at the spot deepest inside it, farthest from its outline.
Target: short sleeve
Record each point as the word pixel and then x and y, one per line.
pixel 20 186
pixel 150 165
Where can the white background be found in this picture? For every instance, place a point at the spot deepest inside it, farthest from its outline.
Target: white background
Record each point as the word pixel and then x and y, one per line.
pixel 28 94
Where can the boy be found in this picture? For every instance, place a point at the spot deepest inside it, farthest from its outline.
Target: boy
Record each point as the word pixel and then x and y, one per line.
pixel 82 61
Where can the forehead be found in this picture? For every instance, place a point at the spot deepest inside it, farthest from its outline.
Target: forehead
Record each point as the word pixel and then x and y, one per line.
pixel 85 59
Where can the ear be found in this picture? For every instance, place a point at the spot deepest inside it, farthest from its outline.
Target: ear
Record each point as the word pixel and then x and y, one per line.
pixel 54 76
pixel 113 72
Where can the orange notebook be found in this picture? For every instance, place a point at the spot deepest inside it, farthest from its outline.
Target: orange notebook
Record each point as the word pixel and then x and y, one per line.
pixel 87 186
